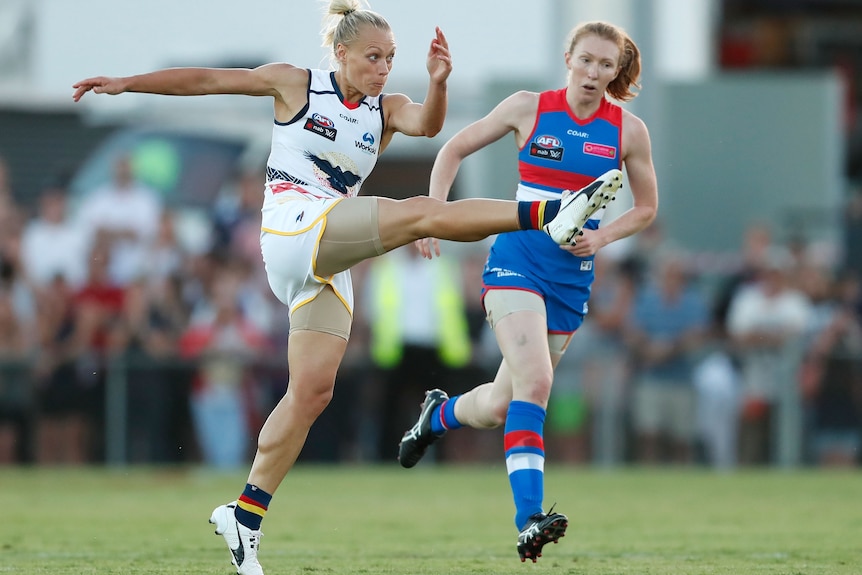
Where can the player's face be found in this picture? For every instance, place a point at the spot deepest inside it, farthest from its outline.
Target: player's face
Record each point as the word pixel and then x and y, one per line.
pixel 594 63
pixel 367 62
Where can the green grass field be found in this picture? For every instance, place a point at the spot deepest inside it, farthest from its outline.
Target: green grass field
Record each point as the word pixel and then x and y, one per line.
pixel 435 521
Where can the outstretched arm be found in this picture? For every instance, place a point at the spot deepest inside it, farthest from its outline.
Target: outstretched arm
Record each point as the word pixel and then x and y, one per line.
pixel 265 80
pixel 515 113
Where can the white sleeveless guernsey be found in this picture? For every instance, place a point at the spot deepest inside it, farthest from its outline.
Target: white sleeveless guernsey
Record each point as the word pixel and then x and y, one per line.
pixel 327 146
pixel 318 158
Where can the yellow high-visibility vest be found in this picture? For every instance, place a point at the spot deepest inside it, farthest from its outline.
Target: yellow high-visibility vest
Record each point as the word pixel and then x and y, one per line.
pixel 453 337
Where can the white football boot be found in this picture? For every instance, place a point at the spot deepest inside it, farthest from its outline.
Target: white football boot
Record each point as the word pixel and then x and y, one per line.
pixel 578 207
pixel 242 541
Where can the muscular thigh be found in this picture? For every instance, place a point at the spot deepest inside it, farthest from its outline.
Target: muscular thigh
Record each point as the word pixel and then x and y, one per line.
pixel 351 235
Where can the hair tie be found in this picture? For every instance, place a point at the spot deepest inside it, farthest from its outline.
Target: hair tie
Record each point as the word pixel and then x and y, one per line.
pixel 347 12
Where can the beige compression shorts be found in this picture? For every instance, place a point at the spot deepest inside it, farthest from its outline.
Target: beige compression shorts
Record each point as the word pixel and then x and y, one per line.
pixel 501 302
pixel 308 246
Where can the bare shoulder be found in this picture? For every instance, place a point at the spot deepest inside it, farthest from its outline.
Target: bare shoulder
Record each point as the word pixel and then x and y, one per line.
pixel 284 76
pixel 521 102
pixel 517 111
pixel 634 126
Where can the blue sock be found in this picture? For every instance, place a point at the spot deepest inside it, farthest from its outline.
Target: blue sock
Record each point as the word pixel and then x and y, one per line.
pixel 443 417
pixel 525 458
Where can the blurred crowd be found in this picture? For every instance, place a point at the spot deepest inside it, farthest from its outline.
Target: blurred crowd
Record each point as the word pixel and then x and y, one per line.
pixel 751 358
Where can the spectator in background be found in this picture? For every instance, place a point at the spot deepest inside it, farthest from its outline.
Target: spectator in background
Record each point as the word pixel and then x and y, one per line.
pixel 832 384
pixel 765 316
pixel 717 385
pixel 165 257
pixel 256 307
pixel 237 217
pixel 419 333
pixel 125 214
pixel 18 303
pixel 63 423
pixel 237 222
pixel 756 245
pixel 148 331
pixel 10 212
pixel 52 244
pixel 717 377
pixel 97 308
pixel 226 344
pixel 16 390
pixel 852 240
pixel 13 280
pixel 585 414
pixel 19 311
pixel 666 332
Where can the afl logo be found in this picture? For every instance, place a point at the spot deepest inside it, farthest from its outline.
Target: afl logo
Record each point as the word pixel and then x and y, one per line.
pixel 548 142
pixel 322 120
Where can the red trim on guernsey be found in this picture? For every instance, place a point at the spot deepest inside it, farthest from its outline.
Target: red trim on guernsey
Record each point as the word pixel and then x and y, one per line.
pixel 561 178
pixel 523 438
pixel 555 101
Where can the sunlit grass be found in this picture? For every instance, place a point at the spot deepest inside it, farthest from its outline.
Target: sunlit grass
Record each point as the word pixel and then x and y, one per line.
pixel 435 520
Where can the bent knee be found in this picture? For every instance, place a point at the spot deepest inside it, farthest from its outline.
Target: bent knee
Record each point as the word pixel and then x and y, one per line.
pixel 496 415
pixel 309 397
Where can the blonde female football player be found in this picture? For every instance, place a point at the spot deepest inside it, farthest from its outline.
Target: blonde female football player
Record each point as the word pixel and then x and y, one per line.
pixel 329 129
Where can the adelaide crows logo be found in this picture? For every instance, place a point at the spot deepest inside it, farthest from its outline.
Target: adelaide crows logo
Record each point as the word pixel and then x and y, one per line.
pixel 335 172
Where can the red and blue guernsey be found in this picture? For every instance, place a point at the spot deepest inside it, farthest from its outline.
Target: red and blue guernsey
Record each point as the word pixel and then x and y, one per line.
pixel 562 153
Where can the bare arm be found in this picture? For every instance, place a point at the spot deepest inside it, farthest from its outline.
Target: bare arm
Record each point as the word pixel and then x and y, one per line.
pixel 516 113
pixel 637 158
pixel 274 80
pixel 425 119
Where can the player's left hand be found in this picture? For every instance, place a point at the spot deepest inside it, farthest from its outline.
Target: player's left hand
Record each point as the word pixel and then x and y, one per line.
pixel 586 244
pixel 428 247
pixel 439 61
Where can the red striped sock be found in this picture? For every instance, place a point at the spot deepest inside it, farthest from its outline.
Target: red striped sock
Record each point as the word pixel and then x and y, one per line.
pixel 251 506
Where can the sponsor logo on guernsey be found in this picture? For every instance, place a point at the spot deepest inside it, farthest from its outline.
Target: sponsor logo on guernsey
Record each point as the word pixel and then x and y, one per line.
pixel 547 147
pixel 600 150
pixel 504 273
pixel 347 118
pixel 367 143
pixel 578 134
pixel 321 125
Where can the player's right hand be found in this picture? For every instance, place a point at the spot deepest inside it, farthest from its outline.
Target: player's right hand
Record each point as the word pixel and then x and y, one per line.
pixel 99 85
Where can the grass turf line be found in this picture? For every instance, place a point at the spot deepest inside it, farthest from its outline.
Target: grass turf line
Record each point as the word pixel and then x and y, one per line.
pixel 435 521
